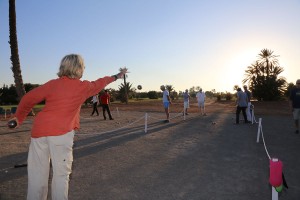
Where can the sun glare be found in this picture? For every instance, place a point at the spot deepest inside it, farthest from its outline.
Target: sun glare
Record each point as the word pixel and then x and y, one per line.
pixel 235 67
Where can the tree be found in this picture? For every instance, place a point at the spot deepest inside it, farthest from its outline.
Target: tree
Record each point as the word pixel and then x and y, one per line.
pixel 170 88
pixel 289 88
pixel 152 95
pixel 16 67
pixel 8 95
pixel 15 60
pixel 125 89
pixel 263 77
pixel 113 94
pixel 235 87
pixel 193 91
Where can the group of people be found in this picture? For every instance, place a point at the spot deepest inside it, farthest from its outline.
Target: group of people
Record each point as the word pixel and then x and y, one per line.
pixel 104 101
pixel 243 103
pixel 186 102
pixel 53 130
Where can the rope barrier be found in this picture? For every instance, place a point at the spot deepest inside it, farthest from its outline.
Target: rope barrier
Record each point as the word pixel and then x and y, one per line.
pixel 260 130
pixel 161 119
pixel 146 117
pixel 252 114
pixel 179 114
pixel 150 116
pixel 262 135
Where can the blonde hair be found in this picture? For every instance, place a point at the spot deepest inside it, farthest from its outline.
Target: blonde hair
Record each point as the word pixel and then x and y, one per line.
pixel 71 66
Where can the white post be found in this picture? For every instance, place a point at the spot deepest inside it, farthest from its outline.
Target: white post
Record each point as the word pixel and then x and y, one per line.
pixel 258 131
pixel 146 122
pixel 118 112
pixel 274 194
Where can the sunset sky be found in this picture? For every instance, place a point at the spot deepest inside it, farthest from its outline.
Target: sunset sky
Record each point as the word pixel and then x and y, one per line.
pixel 184 43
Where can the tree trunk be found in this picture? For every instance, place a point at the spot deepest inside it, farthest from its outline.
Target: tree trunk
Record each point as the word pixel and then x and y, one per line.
pixel 16 68
pixel 13 41
pixel 125 88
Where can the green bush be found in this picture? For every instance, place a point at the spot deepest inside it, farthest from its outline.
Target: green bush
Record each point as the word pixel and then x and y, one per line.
pixel 152 95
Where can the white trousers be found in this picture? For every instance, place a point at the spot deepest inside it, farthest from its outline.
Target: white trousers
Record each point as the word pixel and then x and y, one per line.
pixel 60 150
pixel 248 112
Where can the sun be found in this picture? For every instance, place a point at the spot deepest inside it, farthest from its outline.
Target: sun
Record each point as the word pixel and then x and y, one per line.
pixel 235 67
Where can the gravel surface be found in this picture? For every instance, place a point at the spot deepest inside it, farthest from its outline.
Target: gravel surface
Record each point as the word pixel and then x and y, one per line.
pixel 196 157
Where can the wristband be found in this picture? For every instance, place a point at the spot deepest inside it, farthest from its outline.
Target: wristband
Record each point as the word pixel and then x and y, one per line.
pixel 116 77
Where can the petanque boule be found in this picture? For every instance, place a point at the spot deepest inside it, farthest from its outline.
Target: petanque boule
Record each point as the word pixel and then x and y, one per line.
pixel 12 124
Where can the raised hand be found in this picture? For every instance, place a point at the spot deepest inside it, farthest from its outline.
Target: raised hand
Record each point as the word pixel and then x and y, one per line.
pixel 122 72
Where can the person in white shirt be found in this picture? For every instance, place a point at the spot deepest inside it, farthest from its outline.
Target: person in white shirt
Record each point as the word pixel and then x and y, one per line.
pixel 248 110
pixel 186 101
pixel 201 100
pixel 166 101
pixel 95 101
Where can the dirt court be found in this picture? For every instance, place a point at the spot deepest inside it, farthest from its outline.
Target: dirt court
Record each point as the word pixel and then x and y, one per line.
pixel 138 157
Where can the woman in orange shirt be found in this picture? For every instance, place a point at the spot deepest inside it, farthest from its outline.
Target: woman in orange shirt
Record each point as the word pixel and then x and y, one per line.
pixel 53 128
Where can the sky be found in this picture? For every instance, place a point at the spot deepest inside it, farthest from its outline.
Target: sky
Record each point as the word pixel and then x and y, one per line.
pixel 183 43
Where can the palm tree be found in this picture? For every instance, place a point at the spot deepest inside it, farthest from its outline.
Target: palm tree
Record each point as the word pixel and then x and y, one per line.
pixel 170 88
pixel 235 87
pixel 263 77
pixel 125 88
pixel 16 68
pixel 124 91
pixel 267 61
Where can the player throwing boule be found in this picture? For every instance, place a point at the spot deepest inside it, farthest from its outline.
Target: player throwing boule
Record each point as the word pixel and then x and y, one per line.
pixel 53 129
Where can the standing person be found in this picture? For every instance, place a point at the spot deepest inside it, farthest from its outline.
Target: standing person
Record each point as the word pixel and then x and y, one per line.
pixel 295 104
pixel 242 101
pixel 186 101
pixel 105 100
pixel 95 101
pixel 54 126
pixel 166 102
pixel 248 113
pixel 201 100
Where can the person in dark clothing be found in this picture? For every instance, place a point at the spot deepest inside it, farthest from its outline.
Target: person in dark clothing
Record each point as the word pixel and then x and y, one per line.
pixel 95 101
pixel 295 104
pixel 105 100
pixel 242 102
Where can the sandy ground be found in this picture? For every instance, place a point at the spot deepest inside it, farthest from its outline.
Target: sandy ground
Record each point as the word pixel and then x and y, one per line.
pixel 196 157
